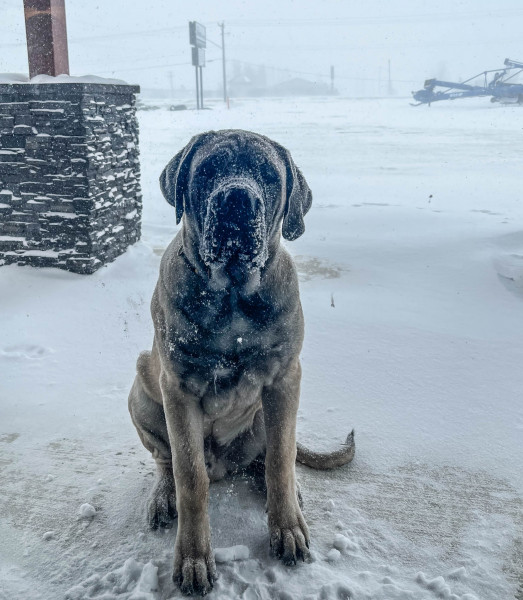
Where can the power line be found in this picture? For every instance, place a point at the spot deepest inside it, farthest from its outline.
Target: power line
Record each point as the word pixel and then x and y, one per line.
pixel 259 65
pixel 318 75
pixel 109 36
pixel 119 65
pixel 406 18
pixel 316 21
pixel 214 43
pixel 147 68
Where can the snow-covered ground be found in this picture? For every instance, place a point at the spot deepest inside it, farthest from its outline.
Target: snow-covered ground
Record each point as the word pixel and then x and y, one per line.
pixel 412 286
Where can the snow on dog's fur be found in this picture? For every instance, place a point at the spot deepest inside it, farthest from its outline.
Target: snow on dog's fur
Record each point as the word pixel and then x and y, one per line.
pixel 220 388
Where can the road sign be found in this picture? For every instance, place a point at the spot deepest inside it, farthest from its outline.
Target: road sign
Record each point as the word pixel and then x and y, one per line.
pixel 197 35
pixel 197 39
pixel 198 57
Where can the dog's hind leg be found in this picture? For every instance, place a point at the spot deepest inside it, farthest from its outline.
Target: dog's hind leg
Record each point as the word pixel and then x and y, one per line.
pixel 247 447
pixel 149 419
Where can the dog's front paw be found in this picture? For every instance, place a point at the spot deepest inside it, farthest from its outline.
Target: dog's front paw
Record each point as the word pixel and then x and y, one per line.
pixel 161 507
pixel 194 574
pixel 289 536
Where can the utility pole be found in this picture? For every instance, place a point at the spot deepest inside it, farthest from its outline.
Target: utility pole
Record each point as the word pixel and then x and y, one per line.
pixel 222 26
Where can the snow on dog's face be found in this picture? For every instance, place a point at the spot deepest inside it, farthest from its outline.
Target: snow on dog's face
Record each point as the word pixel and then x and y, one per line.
pixel 236 190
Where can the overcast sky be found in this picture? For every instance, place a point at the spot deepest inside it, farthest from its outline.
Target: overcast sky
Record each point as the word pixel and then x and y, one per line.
pixel 143 42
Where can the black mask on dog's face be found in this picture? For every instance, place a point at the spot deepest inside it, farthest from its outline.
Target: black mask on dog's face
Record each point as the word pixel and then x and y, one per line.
pixel 236 189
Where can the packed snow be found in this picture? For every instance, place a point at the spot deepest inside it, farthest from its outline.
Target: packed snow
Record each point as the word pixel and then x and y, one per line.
pixel 63 78
pixel 87 511
pixel 224 555
pixel 411 272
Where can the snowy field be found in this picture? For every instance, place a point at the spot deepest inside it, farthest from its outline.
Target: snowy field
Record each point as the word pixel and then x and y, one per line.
pixel 411 275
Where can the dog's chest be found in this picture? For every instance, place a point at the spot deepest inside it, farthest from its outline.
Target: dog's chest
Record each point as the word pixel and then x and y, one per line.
pixel 226 351
pixel 229 375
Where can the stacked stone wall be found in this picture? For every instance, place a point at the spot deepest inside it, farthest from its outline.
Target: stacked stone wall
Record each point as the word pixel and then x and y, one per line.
pixel 69 174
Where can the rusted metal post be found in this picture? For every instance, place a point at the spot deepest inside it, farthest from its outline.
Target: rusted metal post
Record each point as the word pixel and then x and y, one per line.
pixel 46 34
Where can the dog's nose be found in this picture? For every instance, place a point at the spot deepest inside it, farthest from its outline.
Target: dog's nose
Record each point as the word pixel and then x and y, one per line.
pixel 239 205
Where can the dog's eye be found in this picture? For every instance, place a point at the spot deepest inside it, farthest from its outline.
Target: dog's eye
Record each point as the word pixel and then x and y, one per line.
pixel 216 165
pixel 268 174
pixel 206 171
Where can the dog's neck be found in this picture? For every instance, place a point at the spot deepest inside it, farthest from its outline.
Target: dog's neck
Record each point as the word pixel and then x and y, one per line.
pixel 217 277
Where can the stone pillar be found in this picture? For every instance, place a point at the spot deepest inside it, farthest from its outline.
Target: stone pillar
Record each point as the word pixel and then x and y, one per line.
pixel 69 174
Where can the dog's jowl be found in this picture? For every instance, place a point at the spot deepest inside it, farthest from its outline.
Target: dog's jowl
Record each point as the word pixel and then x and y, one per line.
pixel 220 388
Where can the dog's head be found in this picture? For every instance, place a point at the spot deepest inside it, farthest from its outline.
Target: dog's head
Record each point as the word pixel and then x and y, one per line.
pixel 236 190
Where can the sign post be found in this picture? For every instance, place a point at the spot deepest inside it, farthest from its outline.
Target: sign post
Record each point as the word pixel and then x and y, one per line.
pixel 197 89
pixel 198 41
pixel 201 87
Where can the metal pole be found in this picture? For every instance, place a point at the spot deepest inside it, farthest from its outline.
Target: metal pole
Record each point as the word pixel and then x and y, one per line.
pixel 46 35
pixel 171 86
pixel 222 25
pixel 201 88
pixel 197 89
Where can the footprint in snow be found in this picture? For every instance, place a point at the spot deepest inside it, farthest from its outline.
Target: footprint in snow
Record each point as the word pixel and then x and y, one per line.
pixel 509 268
pixel 25 351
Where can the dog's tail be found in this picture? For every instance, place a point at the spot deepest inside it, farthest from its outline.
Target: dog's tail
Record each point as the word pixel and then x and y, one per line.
pixel 327 460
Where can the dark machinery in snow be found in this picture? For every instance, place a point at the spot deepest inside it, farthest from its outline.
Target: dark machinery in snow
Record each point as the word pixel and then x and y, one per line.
pixel 501 86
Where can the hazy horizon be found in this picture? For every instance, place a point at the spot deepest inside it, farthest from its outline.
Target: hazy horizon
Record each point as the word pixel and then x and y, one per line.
pixel 149 45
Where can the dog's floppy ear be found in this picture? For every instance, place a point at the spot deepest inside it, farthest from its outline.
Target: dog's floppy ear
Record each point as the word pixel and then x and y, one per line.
pixel 173 180
pixel 299 198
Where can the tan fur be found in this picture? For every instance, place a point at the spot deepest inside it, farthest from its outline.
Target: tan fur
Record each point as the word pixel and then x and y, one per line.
pixel 220 388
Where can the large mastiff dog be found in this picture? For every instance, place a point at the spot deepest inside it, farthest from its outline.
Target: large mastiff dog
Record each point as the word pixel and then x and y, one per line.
pixel 221 386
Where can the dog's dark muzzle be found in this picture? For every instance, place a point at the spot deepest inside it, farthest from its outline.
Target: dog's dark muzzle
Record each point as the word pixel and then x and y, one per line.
pixel 234 231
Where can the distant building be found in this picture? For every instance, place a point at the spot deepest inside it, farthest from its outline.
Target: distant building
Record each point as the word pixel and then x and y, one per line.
pixel 300 87
pixel 243 86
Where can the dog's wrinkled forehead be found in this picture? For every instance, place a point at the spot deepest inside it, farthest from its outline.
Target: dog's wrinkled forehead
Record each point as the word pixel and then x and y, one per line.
pixel 238 155
pixel 213 155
